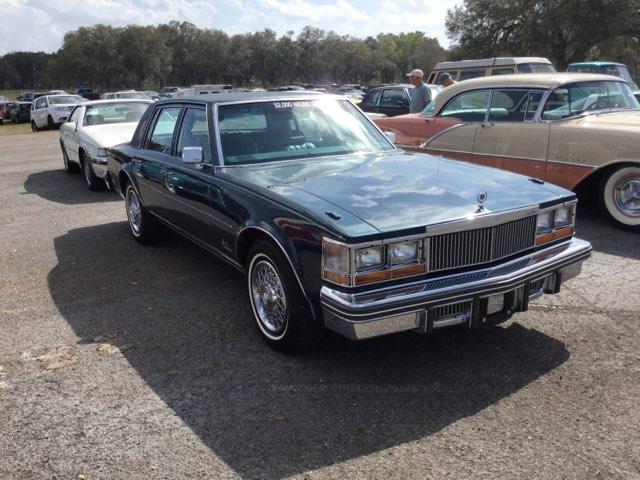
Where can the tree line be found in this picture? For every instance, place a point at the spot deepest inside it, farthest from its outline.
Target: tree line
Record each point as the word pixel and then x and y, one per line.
pixel 179 53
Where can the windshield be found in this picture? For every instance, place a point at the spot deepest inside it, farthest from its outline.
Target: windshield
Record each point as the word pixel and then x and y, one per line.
pixel 114 113
pixel 535 68
pixel 269 131
pixel 130 95
pixel 578 98
pixel 65 100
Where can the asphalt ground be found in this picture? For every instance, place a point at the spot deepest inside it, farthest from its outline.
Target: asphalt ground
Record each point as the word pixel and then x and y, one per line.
pixel 123 361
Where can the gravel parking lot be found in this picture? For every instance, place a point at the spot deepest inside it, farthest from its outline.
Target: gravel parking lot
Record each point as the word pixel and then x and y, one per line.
pixel 123 361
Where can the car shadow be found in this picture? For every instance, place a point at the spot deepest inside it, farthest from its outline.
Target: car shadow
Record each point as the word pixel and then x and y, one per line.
pixel 592 225
pixel 61 187
pixel 182 321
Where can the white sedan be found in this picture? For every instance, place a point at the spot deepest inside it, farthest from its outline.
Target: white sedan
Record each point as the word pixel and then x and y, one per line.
pixel 94 127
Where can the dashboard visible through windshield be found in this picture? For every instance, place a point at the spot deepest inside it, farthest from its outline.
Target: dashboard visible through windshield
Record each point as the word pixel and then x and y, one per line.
pixel 282 130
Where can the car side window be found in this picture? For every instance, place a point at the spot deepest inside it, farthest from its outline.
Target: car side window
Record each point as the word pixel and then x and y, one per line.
pixel 161 137
pixel 468 107
pixel 508 105
pixel 372 98
pixel 533 102
pixel 467 74
pixel 40 103
pixel 392 96
pixel 75 116
pixel 194 132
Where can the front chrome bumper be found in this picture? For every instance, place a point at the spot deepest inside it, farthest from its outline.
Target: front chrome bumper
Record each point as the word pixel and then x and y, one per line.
pixel 471 298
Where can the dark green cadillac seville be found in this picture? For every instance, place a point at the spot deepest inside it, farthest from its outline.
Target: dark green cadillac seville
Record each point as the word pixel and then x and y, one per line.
pixel 335 227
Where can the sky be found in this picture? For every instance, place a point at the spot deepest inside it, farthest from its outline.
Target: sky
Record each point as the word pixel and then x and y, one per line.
pixel 40 25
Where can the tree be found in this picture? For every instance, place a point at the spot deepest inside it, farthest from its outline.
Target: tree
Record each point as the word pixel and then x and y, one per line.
pixel 562 30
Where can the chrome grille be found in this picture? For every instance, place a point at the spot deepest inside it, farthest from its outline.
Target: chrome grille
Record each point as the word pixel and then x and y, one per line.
pixel 472 247
pixel 451 310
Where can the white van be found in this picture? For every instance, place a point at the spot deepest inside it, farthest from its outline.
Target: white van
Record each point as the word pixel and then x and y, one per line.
pixel 466 69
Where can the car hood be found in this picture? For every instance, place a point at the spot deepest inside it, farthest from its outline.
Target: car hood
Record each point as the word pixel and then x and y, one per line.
pixel 111 135
pixel 400 191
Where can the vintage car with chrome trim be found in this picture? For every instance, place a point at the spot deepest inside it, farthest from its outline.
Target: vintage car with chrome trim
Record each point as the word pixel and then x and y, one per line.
pixel 576 130
pixel 92 128
pixel 336 228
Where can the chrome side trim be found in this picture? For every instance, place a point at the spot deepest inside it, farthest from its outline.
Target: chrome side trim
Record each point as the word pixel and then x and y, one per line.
pixel 295 272
pixel 446 130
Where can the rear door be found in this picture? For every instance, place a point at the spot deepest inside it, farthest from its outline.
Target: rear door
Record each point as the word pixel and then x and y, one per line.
pixel 149 163
pixel 511 139
pixel 39 111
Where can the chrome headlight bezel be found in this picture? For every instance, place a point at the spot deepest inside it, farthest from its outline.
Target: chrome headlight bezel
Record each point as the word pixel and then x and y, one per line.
pixel 370 263
pixel 555 222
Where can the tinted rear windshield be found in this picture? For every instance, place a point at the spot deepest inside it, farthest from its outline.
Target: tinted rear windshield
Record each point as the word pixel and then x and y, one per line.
pixel 535 68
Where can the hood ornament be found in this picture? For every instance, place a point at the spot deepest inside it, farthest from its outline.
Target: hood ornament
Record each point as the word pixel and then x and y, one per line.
pixel 482 198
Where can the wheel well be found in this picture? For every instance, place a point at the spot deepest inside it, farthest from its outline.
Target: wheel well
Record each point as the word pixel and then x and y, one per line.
pixel 247 238
pixel 123 179
pixel 587 189
pixel 81 155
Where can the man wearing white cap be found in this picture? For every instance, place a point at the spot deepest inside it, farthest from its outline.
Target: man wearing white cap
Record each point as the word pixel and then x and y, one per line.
pixel 420 95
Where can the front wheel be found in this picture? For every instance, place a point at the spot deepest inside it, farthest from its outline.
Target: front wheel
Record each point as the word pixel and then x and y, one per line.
pixel 69 166
pixel 93 181
pixel 283 315
pixel 143 227
pixel 620 197
pixel 34 126
pixel 50 123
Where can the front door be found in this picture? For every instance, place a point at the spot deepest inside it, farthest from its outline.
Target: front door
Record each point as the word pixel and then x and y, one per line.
pixel 510 139
pixel 195 200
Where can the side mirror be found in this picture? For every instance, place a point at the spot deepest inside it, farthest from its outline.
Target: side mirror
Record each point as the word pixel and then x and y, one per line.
pixel 391 136
pixel 192 155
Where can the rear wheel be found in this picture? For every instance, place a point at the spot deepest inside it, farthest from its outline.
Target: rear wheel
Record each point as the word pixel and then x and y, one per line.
pixel 283 315
pixel 620 197
pixel 142 225
pixel 34 126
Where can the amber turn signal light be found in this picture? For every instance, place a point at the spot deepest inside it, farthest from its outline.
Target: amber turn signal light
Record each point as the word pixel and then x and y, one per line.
pixel 551 236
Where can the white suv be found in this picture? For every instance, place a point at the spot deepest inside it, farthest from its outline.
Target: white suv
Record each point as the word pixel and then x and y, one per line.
pixel 52 110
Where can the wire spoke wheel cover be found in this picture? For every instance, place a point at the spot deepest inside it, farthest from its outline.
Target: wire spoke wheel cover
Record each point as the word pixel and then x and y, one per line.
pixel 134 212
pixel 268 297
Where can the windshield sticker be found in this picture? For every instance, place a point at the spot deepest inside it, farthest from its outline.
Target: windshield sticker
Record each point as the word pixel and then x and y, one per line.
pixel 291 104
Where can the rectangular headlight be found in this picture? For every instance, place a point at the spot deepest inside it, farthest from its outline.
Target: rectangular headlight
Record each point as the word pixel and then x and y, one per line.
pixel 563 216
pixel 545 222
pixel 402 252
pixel 368 257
